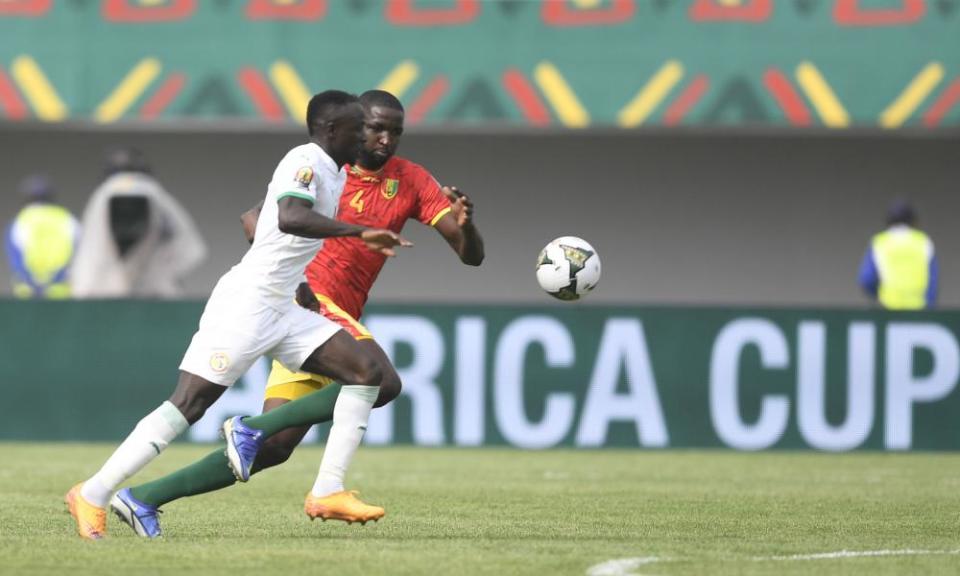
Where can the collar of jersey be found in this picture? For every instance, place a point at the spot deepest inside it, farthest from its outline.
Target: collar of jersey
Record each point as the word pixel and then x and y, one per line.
pixel 326 159
pixel 367 175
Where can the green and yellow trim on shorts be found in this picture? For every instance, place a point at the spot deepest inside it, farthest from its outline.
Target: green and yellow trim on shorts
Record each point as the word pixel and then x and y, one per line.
pixel 289 385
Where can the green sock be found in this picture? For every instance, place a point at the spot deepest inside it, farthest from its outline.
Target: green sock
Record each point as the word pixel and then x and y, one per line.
pixel 213 471
pixel 206 475
pixel 313 408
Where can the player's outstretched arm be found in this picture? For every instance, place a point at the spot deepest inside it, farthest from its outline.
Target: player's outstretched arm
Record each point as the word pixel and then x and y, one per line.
pixel 297 217
pixel 249 221
pixel 458 229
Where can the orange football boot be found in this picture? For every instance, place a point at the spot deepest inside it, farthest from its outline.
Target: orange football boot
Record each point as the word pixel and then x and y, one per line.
pixel 91 521
pixel 342 505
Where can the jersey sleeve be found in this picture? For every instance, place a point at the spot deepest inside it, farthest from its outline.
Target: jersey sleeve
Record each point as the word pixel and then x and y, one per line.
pixel 933 280
pixel 432 205
pixel 15 255
pixel 869 277
pixel 297 178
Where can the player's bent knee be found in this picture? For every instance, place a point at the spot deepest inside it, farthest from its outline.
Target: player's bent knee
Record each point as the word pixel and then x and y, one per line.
pixel 193 395
pixel 193 408
pixel 368 373
pixel 390 387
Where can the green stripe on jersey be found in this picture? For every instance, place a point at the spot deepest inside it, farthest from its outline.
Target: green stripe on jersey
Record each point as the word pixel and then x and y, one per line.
pixel 297 195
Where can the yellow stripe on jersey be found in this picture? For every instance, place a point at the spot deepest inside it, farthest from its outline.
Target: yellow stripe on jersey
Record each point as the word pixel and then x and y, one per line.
pixel 332 307
pixel 440 215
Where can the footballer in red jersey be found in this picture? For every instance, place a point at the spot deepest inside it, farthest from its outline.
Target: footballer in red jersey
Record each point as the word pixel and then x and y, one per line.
pixel 382 190
pixel 345 269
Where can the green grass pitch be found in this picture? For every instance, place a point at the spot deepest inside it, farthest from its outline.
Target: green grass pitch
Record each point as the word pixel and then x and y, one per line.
pixel 497 512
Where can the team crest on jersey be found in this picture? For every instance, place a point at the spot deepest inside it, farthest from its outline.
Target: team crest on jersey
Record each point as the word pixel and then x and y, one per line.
pixel 219 362
pixel 304 177
pixel 390 188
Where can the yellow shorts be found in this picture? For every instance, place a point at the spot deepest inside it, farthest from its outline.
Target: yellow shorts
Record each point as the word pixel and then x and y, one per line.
pixel 289 385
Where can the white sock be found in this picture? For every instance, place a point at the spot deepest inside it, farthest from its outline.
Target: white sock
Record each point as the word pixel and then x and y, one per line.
pixel 350 415
pixel 150 437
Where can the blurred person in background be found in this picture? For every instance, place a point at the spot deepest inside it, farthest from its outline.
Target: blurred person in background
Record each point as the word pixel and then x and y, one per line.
pixel 900 270
pixel 41 242
pixel 139 241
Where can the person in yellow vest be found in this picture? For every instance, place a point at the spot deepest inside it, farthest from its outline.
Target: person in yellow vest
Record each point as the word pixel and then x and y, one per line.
pixel 900 270
pixel 41 242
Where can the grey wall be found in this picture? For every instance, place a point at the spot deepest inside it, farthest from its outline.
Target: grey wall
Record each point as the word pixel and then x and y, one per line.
pixel 676 218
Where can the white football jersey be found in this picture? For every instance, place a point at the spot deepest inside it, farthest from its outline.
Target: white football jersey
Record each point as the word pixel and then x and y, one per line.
pixel 275 263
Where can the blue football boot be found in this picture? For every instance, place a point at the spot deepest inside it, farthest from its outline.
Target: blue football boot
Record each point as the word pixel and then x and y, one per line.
pixel 243 443
pixel 142 517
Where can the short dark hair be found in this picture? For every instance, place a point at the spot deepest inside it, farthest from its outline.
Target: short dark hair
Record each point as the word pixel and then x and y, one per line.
pixel 372 98
pixel 901 212
pixel 322 107
pixel 37 187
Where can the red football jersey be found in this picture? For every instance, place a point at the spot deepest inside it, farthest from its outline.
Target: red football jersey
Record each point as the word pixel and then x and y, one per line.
pixel 345 269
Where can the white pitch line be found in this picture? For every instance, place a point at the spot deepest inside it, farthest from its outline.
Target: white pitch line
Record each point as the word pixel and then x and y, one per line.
pixel 627 566
pixel 856 554
pixel 621 567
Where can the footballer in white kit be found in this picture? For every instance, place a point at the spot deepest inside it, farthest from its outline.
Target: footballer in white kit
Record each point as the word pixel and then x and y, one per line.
pixel 251 313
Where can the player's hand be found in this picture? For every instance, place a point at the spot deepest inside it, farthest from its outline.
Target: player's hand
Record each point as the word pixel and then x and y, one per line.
pixel 383 241
pixel 460 204
pixel 306 298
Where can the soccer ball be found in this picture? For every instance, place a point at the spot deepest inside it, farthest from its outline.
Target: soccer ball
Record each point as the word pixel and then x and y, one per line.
pixel 568 268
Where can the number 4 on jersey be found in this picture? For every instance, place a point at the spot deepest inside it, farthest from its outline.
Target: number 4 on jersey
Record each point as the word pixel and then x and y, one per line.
pixel 357 201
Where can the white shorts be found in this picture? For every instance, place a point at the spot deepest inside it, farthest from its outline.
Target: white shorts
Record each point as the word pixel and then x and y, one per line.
pixel 236 329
